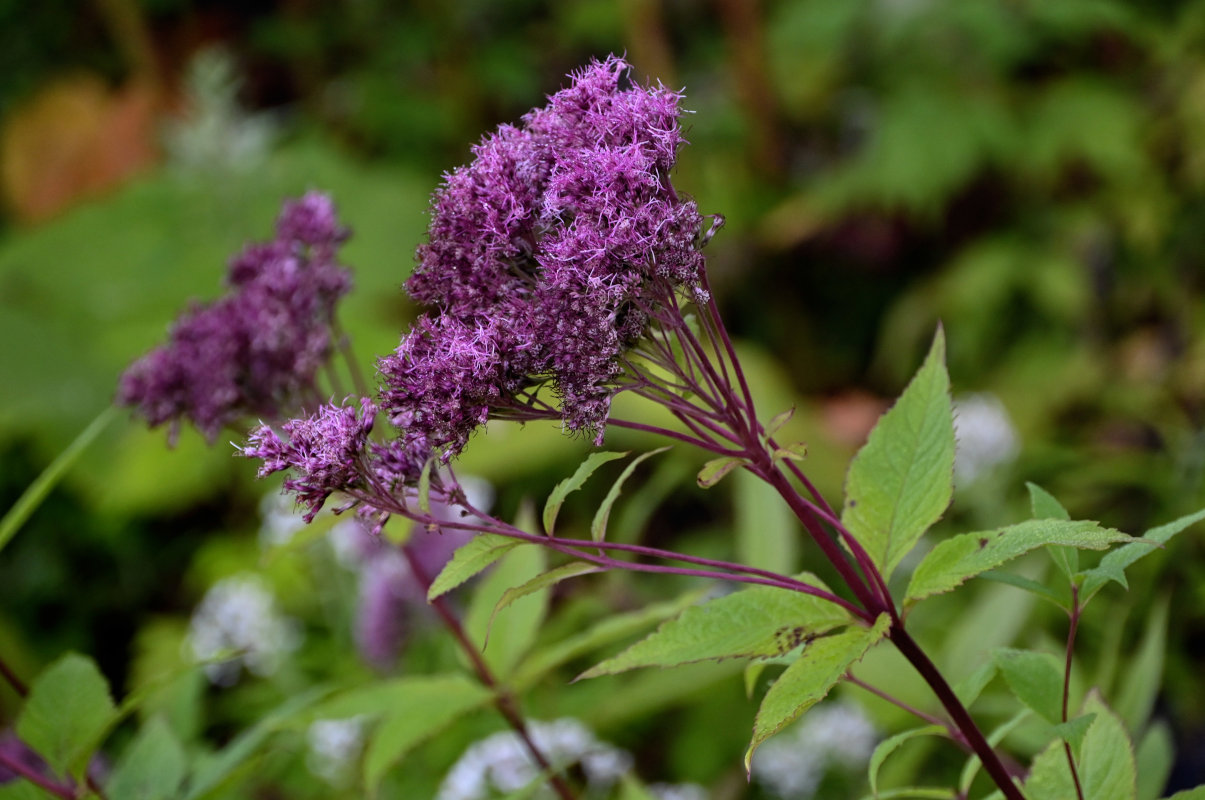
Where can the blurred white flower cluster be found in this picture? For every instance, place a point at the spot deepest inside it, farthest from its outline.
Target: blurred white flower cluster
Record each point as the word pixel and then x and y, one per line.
pixel 238 616
pixel 985 436
pixel 334 748
pixel 791 765
pixel 500 764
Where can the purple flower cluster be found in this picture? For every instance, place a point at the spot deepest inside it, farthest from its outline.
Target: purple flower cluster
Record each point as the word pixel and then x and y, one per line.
pixel 543 256
pixel 255 351
pixel 324 452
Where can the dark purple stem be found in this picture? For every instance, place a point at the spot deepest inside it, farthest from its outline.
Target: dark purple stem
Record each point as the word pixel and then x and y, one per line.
pixel 33 776
pixel 952 732
pixel 504 701
pixel 1073 613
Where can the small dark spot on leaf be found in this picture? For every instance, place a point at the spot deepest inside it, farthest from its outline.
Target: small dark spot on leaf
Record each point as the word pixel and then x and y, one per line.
pixel 983 543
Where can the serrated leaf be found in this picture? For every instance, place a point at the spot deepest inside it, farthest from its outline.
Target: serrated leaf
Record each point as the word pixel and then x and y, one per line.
pixel 955 560
pixel 757 622
pixel 1073 730
pixel 414 709
pixel 901 481
pixel 572 484
pixel 152 766
pixel 211 776
pixel 598 527
pixel 469 559
pixel 1112 567
pixel 1036 679
pixel 515 629
pixel 68 711
pixel 1106 763
pixel 889 746
pixel 1045 506
pixel 715 470
pixel 823 663
pixel 543 581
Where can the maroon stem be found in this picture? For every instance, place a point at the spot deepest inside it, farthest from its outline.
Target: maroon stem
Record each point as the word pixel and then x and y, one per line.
pixel 1073 613
pixel 504 701
pixel 951 731
pixel 32 775
pixel 957 711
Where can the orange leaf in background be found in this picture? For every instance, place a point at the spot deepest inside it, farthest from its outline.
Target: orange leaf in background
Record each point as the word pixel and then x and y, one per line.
pixel 72 140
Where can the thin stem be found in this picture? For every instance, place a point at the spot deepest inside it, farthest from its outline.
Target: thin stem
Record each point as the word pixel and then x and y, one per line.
pixel 33 776
pixel 1073 613
pixel 957 711
pixel 504 701
pixel 11 677
pixel 681 437
pixel 343 343
pixel 951 731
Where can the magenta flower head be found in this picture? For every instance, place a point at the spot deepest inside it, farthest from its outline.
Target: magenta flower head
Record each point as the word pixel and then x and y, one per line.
pixel 325 452
pixel 255 351
pixel 545 255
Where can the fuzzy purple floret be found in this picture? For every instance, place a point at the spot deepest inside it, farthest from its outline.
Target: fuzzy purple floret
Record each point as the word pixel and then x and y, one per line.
pixel 541 254
pixel 255 351
pixel 325 453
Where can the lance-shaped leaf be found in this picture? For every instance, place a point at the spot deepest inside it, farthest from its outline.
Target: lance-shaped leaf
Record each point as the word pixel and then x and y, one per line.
pixel 823 663
pixel 598 528
pixel 572 484
pixel 1035 678
pixel 469 559
pixel 1045 506
pixel 1113 566
pixel 541 581
pixel 758 622
pixel 955 560
pixel 889 746
pixel 901 481
pixel 717 469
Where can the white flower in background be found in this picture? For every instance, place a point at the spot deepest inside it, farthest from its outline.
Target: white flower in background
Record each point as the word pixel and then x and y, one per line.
pixel 216 132
pixel 279 521
pixel 238 615
pixel 500 763
pixel 678 791
pixel 791 765
pixel 334 747
pixel 984 434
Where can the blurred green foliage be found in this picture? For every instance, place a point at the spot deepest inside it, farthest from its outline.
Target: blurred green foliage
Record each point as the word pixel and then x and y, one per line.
pixel 1030 173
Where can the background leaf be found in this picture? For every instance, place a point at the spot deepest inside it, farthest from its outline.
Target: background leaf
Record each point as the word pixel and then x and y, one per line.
pixel 598 527
pixel 572 484
pixel 901 481
pixel 514 630
pixel 1035 678
pixel 152 766
pixel 67 712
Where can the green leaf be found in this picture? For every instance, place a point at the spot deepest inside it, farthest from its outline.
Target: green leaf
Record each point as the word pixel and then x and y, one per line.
pixel 1144 676
pixel 478 553
pixel 572 484
pixel 796 451
pixel 1155 756
pixel 514 630
pixel 969 688
pixel 806 682
pixel 414 709
pixel 1106 764
pixel 901 481
pixel 549 578
pixel 152 766
pixel 955 560
pixel 1035 678
pixel 598 528
pixel 757 622
pixel 608 630
pixel 1196 793
pixel 24 790
pixel 780 419
pixel 1046 507
pixel 1025 584
pixel 889 746
pixel 767 533
pixel 67 714
pixel 211 776
pixel 915 793
pixel 753 671
pixel 37 491
pixel 717 469
pixel 1074 730
pixel 1112 567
